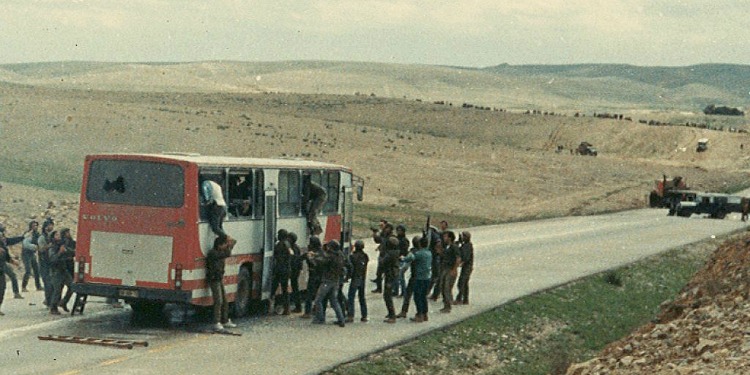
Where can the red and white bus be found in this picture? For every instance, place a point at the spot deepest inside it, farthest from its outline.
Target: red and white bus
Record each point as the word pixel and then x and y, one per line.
pixel 142 235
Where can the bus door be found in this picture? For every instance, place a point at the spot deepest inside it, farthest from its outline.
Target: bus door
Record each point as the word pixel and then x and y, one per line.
pixel 269 239
pixel 347 217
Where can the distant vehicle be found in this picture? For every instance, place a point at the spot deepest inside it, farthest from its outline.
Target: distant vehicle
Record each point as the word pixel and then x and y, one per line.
pixel 143 233
pixel 716 205
pixel 586 148
pixel 702 145
pixel 667 190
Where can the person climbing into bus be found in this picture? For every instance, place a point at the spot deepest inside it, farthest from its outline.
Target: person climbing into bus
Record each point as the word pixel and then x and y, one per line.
pixel 212 198
pixel 215 263
pixel 316 199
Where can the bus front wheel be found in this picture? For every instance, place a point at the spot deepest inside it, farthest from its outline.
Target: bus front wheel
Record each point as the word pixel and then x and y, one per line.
pixel 242 298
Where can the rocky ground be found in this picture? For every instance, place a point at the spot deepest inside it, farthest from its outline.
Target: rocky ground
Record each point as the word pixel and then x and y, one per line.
pixel 705 330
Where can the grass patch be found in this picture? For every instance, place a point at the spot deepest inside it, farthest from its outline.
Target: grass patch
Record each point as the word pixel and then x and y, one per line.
pixel 544 333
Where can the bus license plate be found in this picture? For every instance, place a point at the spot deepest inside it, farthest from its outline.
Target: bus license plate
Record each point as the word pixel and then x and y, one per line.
pixel 128 293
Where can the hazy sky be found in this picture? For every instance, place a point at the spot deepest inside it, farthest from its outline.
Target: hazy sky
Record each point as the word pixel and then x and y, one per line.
pixel 474 33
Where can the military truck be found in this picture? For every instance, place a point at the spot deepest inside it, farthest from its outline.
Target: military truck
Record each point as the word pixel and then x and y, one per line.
pixel 715 205
pixel 586 148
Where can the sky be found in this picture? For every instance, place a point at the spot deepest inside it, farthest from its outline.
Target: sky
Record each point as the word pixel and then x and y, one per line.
pixel 469 33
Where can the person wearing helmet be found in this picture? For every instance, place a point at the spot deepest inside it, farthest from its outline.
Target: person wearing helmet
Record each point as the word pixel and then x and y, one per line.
pixel 331 263
pixel 390 272
pixel 358 274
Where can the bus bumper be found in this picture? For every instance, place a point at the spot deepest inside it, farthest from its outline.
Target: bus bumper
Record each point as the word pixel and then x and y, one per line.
pixel 133 293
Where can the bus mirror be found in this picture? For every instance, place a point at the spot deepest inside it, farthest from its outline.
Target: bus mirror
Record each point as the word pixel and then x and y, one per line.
pixel 360 192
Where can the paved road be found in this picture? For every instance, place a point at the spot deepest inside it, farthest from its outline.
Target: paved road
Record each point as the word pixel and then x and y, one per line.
pixel 512 260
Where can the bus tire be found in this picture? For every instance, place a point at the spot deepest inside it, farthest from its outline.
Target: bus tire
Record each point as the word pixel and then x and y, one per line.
pixel 243 297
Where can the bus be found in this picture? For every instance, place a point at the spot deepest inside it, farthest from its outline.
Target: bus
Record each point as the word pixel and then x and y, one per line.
pixel 143 234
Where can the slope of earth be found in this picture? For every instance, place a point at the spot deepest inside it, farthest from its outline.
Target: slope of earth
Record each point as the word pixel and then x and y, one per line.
pixel 490 164
pixel 703 331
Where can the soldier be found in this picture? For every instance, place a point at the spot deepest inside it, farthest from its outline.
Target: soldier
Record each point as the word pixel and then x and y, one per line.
pixel 28 254
pixel 44 243
pixel 332 266
pixel 358 274
pixel 450 260
pixel 378 237
pixel 5 265
pixel 282 261
pixel 390 270
pixel 5 261
pixel 215 264
pixel 59 255
pixel 295 270
pixel 314 249
pixel 467 266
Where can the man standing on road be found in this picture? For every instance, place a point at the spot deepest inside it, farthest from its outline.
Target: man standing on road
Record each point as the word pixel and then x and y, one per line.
pixel 6 261
pixel 282 262
pixel 358 271
pixel 467 266
pixel 28 254
pixel 409 290
pixel 421 265
pixel 6 264
pixel 295 270
pixel 331 263
pixel 215 263
pixel 377 237
pixel 449 269
pixel 44 243
pixel 390 271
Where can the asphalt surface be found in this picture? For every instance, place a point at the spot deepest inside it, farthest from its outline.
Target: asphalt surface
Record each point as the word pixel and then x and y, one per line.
pixel 512 260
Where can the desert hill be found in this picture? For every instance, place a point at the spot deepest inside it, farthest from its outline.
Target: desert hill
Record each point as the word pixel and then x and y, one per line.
pixel 559 88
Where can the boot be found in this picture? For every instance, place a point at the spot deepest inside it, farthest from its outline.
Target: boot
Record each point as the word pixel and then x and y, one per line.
pixel 401 315
pixel 424 317
pixel 390 320
pixel 286 311
pixel 417 318
pixel 54 311
pixel 64 307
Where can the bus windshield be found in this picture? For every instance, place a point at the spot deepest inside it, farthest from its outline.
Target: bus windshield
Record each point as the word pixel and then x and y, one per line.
pixel 136 183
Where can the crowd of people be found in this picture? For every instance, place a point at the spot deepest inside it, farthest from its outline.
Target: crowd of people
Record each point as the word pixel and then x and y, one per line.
pixel 433 261
pixel 47 256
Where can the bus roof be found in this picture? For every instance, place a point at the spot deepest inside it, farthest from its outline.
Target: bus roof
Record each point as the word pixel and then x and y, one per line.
pixel 227 161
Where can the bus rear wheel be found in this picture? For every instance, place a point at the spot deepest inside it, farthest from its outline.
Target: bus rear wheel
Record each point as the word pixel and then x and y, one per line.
pixel 242 299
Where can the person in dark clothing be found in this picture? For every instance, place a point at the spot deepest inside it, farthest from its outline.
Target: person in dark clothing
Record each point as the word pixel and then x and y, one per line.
pixel 5 261
pixel 295 270
pixel 314 249
pixel 357 276
pixel 467 266
pixel 390 273
pixel 403 250
pixel 435 244
pixel 59 255
pixel 409 290
pixel 450 260
pixel 5 242
pixel 44 243
pixel 331 262
pixel 316 200
pixel 28 254
pixel 215 264
pixel 378 236
pixel 282 262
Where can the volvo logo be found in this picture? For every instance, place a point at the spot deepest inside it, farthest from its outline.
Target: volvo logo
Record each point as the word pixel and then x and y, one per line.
pixel 99 217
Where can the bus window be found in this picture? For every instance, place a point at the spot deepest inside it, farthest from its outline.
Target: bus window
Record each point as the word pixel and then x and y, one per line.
pixel 215 175
pixel 240 194
pixel 136 183
pixel 260 195
pixel 290 200
pixel 331 184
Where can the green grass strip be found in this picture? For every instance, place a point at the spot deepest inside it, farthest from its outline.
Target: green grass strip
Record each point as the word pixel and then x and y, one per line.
pixel 545 332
